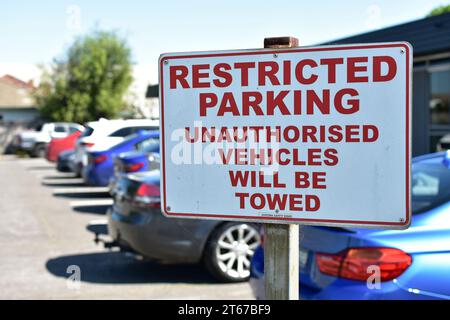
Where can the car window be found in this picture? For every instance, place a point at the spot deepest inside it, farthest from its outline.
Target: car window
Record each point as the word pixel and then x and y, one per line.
pixel 148 145
pixel 147 128
pixel 73 129
pixel 430 186
pixel 122 132
pixel 60 129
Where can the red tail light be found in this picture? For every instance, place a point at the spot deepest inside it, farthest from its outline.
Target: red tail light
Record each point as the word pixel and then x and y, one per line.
pixel 148 195
pixel 87 144
pixel 100 159
pixel 354 263
pixel 134 167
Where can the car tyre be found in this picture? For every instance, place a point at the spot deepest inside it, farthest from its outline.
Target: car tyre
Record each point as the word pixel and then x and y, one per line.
pixel 229 250
pixel 78 170
pixel 39 151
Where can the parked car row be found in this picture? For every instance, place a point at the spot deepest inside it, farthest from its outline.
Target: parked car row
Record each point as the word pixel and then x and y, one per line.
pixel 124 155
pixel 335 263
pixel 104 134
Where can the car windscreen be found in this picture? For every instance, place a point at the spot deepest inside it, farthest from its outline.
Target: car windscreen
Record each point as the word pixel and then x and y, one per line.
pixel 148 145
pixel 148 128
pixel 87 132
pixel 430 186
pixel 123 132
pixel 73 129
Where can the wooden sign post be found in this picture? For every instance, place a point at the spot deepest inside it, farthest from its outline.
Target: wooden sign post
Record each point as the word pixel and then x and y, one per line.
pixel 281 245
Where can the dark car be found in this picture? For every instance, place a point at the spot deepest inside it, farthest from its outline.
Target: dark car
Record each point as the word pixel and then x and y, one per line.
pixel 64 162
pixel 135 222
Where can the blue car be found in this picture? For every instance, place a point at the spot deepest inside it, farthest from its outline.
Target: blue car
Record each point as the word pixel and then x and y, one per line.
pixel 100 168
pixel 146 157
pixel 350 263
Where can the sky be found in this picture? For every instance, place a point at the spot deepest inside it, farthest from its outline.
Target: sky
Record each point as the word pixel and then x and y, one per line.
pixel 34 32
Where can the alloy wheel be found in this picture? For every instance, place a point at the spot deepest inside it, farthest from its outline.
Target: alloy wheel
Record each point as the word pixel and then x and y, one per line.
pixel 235 249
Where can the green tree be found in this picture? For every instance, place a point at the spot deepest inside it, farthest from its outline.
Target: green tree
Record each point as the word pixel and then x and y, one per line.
pixel 89 82
pixel 439 10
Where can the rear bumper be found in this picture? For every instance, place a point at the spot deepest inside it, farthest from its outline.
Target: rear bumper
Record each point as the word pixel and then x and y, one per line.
pixel 345 290
pixel 27 145
pixel 75 167
pixel 51 159
pixel 63 166
pixel 94 176
pixel 51 155
pixel 154 236
pixel 349 290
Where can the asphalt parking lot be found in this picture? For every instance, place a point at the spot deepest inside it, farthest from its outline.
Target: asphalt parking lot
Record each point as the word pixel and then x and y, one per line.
pixel 43 237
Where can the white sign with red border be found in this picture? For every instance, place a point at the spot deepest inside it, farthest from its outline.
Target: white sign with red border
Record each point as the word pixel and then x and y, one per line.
pixel 307 135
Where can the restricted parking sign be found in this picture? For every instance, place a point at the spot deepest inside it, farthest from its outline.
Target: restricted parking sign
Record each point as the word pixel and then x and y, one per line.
pixel 310 135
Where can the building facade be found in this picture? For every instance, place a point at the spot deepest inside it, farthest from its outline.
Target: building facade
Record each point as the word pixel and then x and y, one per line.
pixel 430 38
pixel 152 100
pixel 16 102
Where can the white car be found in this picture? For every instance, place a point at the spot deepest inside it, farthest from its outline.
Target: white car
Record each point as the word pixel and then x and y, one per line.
pixel 103 134
pixel 35 141
pixel 444 143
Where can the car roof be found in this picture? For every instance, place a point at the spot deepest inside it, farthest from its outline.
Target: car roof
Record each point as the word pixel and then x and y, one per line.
pixel 144 135
pixel 431 157
pixel 62 123
pixel 122 123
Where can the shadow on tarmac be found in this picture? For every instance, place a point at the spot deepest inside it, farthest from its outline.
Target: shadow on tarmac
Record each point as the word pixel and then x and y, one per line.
pixel 120 268
pixel 83 195
pixel 94 209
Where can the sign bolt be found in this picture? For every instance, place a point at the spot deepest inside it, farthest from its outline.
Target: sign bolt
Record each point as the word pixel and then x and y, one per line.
pixel 402 220
pixel 275 55
pixel 402 51
pixel 166 61
pixel 168 208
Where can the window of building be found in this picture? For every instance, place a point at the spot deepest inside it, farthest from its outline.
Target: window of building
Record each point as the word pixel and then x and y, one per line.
pixel 440 96
pixel 439 141
pixel 430 186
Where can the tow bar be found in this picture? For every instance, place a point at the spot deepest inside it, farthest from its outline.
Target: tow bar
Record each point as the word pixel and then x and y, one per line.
pixel 100 230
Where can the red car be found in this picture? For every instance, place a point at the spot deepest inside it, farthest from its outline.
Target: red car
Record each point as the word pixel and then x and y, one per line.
pixel 56 146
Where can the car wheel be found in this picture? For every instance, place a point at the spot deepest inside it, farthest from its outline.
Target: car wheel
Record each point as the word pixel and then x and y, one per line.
pixel 39 151
pixel 229 250
pixel 78 170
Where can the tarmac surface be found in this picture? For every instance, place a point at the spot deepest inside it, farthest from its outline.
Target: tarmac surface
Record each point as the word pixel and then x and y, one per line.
pixel 47 253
